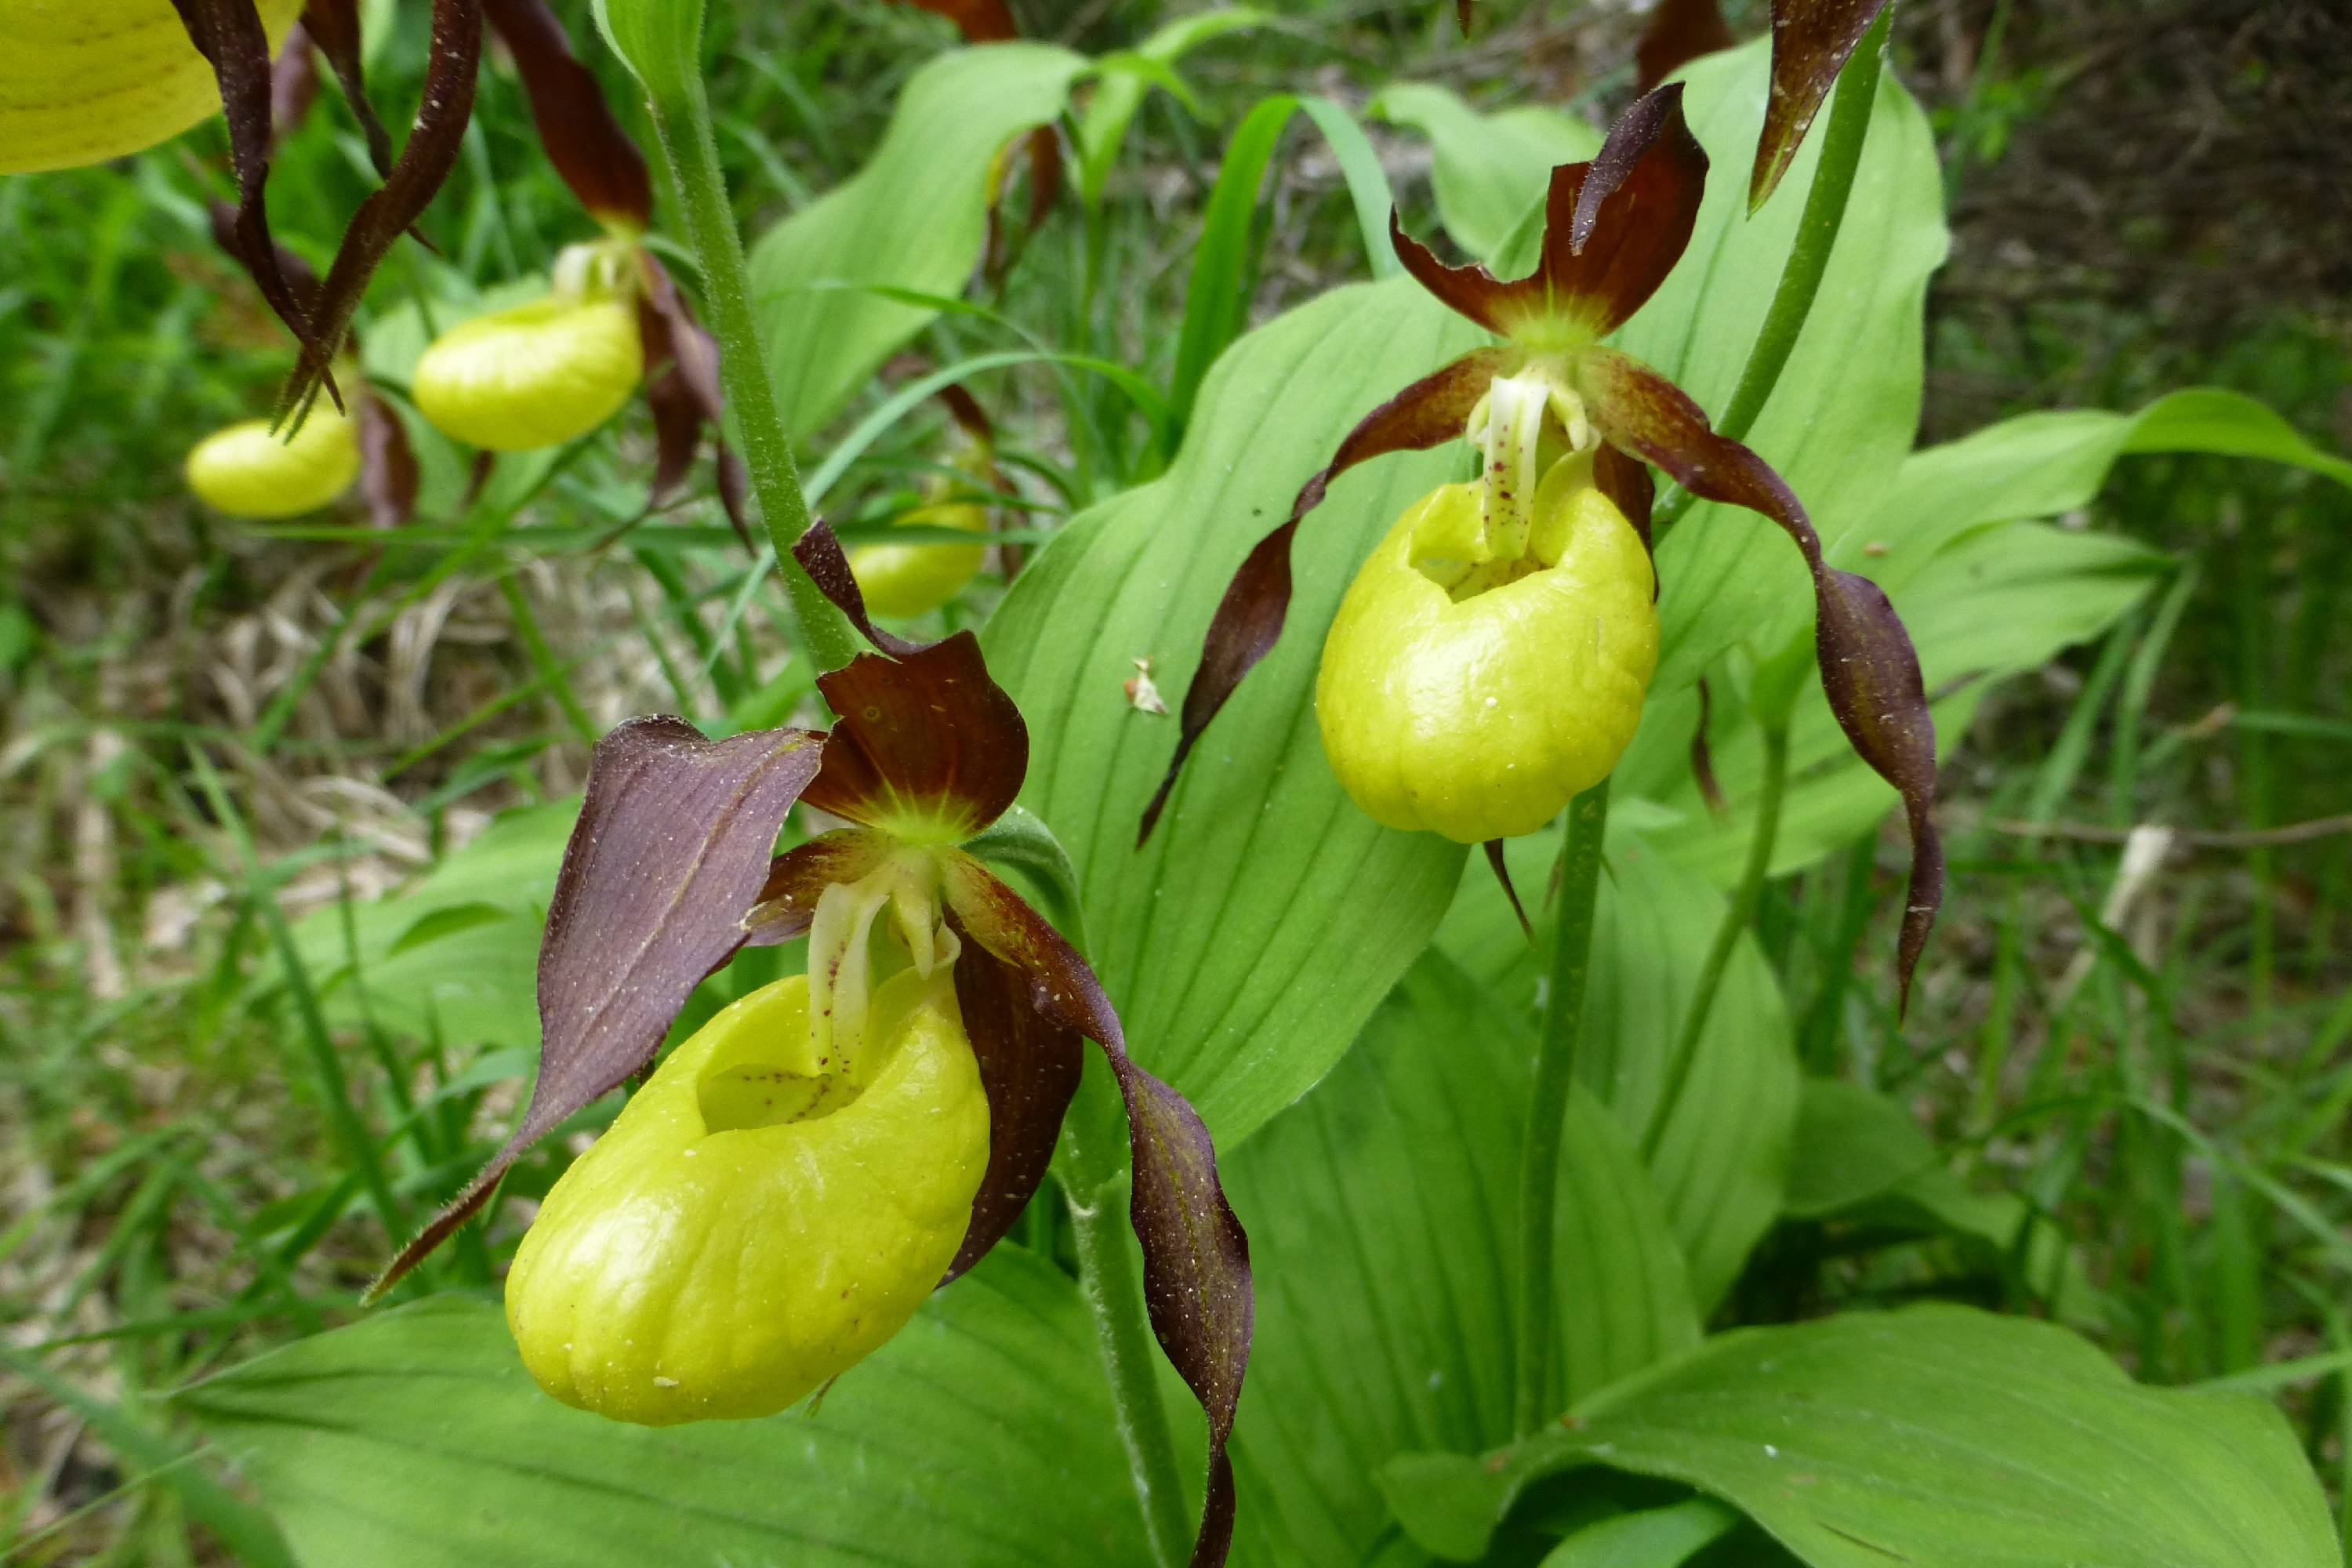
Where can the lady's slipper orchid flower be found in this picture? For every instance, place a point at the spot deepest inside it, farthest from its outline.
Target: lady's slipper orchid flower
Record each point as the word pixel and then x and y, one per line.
pixel 82 81
pixel 1413 690
pixel 903 580
pixel 792 1182
pixel 40 129
pixel 249 470
pixel 542 372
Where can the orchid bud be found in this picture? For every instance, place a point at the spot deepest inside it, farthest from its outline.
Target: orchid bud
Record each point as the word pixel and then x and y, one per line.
pixel 539 374
pixel 83 82
pixel 1472 694
pixel 249 470
pixel 760 1217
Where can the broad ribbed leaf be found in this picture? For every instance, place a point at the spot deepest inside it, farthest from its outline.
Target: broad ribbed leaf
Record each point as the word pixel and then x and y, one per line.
pixel 1381 1211
pixel 1939 1435
pixel 1487 170
pixel 982 1435
pixel 1248 942
pixel 913 219
pixel 1722 1157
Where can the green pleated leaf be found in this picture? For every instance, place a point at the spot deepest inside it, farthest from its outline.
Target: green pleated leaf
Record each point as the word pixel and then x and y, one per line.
pixel 1860 1157
pixel 1939 1437
pixel 1846 406
pixel 982 1434
pixel 1487 170
pixel 1248 942
pixel 1380 1211
pixel 1721 1159
pixel 913 220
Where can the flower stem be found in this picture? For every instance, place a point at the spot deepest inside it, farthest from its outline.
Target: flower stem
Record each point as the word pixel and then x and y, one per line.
pixel 683 119
pixel 1737 917
pixel 1808 257
pixel 1571 967
pixel 1114 1294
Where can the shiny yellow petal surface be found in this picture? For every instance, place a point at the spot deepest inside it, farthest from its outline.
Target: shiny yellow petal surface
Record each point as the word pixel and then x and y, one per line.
pixel 85 80
pixel 1479 717
pixel 245 471
pixel 536 376
pixel 916 579
pixel 754 1222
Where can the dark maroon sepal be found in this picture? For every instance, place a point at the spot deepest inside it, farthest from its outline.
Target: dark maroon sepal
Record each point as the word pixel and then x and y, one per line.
pixel 671 848
pixel 980 21
pixel 229 34
pixel 1248 619
pixel 1811 41
pixel 1029 1067
pixel 820 556
pixel 293 87
pixel 416 174
pixel 925 736
pixel 388 475
pixel 1502 870
pixel 797 878
pixel 1614 228
pixel 594 156
pixel 334 26
pixel 1869 672
pixel 1196 1269
pixel 1679 31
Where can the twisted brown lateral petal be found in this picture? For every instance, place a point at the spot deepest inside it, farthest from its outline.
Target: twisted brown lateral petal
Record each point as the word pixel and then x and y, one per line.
pixel 1196 1272
pixel 229 34
pixel 423 164
pixel 1812 40
pixel 576 126
pixel 1614 228
pixel 1869 671
pixel 1679 32
pixel 671 848
pixel 1249 617
pixel 334 26
pixel 927 733
pixel 1029 1067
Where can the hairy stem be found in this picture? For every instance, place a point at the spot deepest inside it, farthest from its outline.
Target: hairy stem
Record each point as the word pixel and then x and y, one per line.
pixel 682 119
pixel 1114 1293
pixel 1736 916
pixel 1571 967
pixel 1809 258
